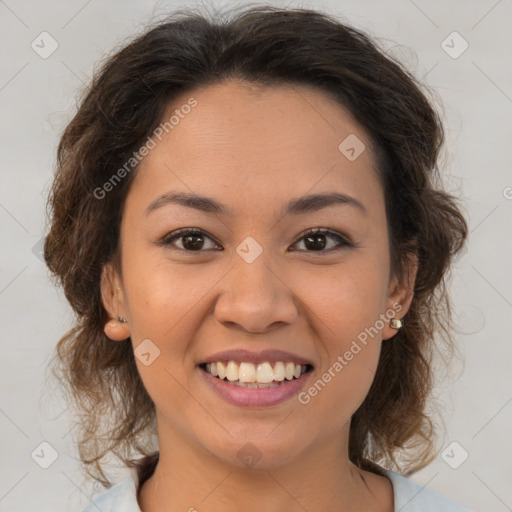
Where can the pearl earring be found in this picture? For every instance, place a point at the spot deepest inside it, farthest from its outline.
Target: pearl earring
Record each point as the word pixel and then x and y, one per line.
pixel 396 323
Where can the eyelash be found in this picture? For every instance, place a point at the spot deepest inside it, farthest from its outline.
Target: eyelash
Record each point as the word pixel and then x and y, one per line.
pixel 343 242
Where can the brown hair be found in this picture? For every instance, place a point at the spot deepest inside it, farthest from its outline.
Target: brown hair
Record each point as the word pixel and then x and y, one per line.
pixel 125 103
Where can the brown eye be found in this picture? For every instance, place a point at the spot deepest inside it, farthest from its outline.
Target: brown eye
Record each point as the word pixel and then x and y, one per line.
pixel 192 240
pixel 196 240
pixel 316 240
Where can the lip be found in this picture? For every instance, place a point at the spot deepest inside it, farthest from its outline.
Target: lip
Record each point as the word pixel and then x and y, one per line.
pixel 254 397
pixel 243 355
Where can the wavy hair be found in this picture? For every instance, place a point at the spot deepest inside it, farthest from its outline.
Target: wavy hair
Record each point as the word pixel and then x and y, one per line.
pixel 124 104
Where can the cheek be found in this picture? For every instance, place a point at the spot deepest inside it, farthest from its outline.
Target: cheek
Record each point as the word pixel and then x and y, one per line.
pixel 347 298
pixel 164 307
pixel 335 394
pixel 350 337
pixel 161 292
pixel 346 304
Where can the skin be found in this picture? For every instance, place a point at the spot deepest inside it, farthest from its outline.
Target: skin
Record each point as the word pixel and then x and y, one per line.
pixel 253 149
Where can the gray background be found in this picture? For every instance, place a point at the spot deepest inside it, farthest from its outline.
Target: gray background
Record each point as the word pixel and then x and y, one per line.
pixel 38 97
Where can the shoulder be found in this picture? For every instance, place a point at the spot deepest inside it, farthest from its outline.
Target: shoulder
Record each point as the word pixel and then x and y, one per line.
pixel 122 497
pixel 409 497
pixel 413 497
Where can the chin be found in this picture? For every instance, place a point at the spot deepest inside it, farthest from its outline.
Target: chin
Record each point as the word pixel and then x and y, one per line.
pixel 257 452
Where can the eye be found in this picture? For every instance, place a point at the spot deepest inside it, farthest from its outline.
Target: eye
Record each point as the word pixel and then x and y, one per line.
pixel 191 239
pixel 315 240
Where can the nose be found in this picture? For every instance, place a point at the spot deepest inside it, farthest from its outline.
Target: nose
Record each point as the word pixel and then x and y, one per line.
pixel 255 297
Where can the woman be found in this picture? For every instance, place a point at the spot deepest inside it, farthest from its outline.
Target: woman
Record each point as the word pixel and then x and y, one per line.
pixel 246 219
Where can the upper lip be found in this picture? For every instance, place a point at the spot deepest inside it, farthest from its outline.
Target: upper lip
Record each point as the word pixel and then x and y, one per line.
pixel 243 355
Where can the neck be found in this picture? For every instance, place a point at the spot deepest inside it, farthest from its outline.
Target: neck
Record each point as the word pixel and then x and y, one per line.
pixel 187 478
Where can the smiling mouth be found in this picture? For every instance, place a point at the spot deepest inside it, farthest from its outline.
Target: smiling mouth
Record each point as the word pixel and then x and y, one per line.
pixel 262 375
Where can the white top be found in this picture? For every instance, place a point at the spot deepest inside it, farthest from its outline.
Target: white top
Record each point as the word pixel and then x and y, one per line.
pixel 409 497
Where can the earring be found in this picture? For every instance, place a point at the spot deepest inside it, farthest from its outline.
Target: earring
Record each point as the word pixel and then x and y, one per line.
pixel 115 330
pixel 396 323
pixel 122 320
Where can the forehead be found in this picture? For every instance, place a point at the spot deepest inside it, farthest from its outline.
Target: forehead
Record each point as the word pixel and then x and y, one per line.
pixel 245 142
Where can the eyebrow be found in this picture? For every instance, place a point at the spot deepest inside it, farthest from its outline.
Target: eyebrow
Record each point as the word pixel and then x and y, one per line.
pixel 298 206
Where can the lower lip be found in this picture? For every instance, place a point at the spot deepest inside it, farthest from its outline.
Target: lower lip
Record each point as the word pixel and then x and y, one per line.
pixel 255 397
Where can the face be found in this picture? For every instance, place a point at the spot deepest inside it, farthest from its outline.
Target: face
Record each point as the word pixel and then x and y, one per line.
pixel 253 277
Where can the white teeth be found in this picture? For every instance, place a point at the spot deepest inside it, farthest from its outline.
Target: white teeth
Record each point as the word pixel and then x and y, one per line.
pixel 254 384
pixel 221 370
pixel 247 373
pixel 289 370
pixel 265 374
pixel 232 371
pixel 279 371
pixel 251 375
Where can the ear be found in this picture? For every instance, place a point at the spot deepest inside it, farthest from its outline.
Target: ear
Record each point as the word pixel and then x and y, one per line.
pixel 112 297
pixel 400 295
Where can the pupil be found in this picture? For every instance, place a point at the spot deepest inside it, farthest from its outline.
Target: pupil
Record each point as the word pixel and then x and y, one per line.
pixel 314 239
pixel 190 238
pixel 311 241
